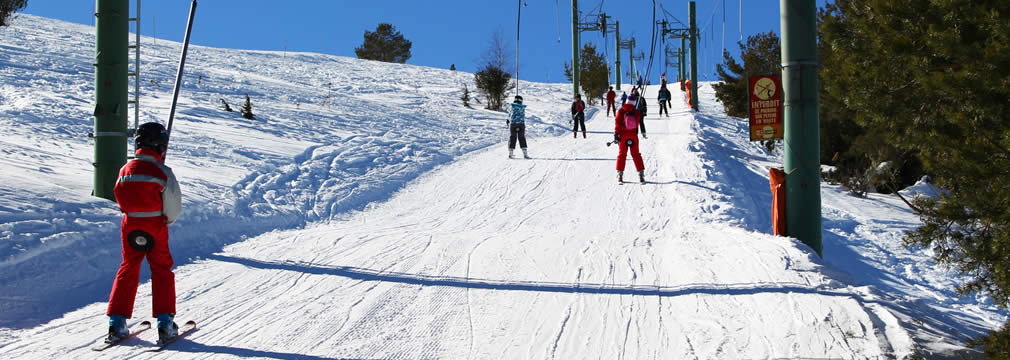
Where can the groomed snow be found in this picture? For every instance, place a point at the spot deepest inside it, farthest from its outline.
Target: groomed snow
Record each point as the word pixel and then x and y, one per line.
pixel 366 214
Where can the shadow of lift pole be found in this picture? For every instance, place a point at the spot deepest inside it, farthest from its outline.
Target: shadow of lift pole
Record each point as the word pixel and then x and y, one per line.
pixel 533 286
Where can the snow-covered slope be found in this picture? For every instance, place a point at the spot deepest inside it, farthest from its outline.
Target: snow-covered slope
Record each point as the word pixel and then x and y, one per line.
pixel 367 214
pixel 332 134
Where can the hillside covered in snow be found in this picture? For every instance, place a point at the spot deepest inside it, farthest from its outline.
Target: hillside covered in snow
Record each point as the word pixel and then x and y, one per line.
pixel 367 214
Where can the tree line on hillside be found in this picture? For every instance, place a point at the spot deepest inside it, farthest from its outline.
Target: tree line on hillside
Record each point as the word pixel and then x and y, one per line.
pixel 911 88
pixel 7 9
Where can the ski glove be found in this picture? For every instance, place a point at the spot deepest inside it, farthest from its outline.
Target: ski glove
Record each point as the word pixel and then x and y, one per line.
pixel 644 136
pixel 617 138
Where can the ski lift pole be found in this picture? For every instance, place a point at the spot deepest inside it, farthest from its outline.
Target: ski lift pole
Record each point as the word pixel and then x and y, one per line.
pixel 178 74
pixel 517 22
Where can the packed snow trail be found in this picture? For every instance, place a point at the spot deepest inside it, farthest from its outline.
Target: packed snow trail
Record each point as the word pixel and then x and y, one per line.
pixel 491 258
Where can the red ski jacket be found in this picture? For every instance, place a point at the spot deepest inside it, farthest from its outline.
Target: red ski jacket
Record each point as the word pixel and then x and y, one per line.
pixel 146 188
pixel 611 95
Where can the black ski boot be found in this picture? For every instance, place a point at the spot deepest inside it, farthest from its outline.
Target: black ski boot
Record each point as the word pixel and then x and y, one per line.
pixel 167 328
pixel 117 329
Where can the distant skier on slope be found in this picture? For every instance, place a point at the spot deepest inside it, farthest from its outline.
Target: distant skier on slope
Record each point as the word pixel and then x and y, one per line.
pixel 578 116
pixel 149 197
pixel 664 100
pixel 626 136
pixel 517 126
pixel 624 99
pixel 611 97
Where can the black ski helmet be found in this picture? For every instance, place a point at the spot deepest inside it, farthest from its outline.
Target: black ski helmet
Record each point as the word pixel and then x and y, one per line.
pixel 519 99
pixel 152 136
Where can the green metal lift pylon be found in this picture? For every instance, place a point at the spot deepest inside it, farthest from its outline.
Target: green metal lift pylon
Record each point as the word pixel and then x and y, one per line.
pixel 111 93
pixel 802 125
pixel 694 59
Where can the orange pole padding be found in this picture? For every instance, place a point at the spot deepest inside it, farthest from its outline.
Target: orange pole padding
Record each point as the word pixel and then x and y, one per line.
pixel 777 179
pixel 687 88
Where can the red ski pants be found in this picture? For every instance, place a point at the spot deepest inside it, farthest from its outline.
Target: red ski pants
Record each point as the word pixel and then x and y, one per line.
pixel 124 289
pixel 610 105
pixel 636 156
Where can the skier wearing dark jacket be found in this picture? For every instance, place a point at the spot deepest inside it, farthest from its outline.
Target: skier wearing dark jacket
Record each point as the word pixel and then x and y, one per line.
pixel 643 109
pixel 626 135
pixel 149 197
pixel 664 100
pixel 578 116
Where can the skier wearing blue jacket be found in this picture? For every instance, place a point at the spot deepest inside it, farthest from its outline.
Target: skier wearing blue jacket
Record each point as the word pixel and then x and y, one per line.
pixel 517 126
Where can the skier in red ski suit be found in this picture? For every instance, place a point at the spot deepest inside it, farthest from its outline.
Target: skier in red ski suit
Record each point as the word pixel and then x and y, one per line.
pixel 627 137
pixel 578 116
pixel 611 98
pixel 149 197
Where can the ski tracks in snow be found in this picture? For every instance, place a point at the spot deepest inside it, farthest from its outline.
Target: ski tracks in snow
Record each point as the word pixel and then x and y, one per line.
pixel 561 218
pixel 492 258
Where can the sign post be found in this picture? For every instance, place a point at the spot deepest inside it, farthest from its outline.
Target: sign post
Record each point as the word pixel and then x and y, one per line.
pixel 765 108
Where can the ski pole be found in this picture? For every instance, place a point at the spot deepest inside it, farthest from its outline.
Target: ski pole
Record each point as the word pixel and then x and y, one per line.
pixel 178 74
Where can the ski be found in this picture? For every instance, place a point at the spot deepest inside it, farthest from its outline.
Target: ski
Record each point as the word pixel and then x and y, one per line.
pixel 186 328
pixel 144 326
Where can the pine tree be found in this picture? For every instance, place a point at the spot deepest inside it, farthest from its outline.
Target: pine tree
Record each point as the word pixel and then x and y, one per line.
pixel 452 67
pixel 466 96
pixel 7 9
pixel 226 107
pixel 246 109
pixel 930 79
pixel 761 56
pixel 384 44
pixel 594 73
pixel 493 81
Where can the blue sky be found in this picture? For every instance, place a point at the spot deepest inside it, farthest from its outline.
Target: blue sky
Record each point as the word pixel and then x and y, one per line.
pixel 443 32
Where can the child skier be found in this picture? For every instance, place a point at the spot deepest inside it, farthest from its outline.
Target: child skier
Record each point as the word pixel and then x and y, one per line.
pixel 517 126
pixel 578 116
pixel 664 99
pixel 149 197
pixel 611 96
pixel 626 135
pixel 624 98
